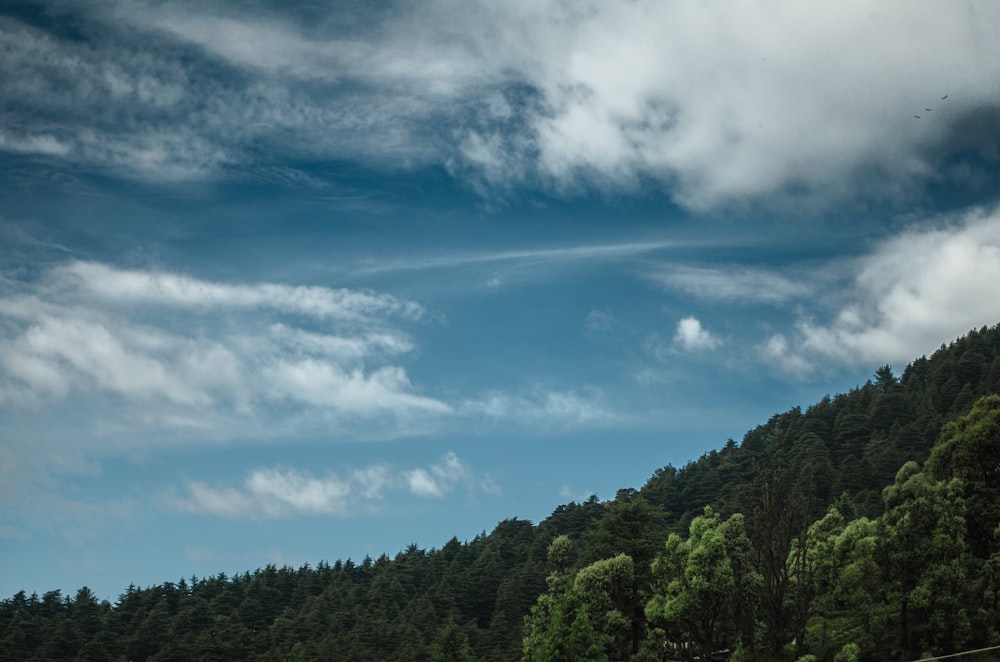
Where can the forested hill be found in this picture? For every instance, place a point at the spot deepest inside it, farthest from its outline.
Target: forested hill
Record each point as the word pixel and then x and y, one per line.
pixel 824 537
pixel 853 442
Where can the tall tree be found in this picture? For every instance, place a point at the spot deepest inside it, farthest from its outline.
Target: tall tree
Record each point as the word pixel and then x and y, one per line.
pixel 969 450
pixel 706 590
pixel 559 627
pixel 780 513
pixel 922 535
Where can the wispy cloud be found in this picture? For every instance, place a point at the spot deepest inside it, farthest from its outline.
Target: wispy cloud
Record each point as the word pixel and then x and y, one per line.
pixel 94 329
pixel 598 321
pixel 113 286
pixel 776 351
pixel 275 492
pixel 733 283
pixel 44 144
pixel 538 255
pixel 540 409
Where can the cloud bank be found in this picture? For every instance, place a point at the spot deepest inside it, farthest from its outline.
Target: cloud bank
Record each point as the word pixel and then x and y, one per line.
pixel 811 103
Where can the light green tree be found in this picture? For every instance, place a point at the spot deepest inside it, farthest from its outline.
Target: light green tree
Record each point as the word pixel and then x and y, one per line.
pixel 559 628
pixel 706 591
pixel 850 652
pixel 812 574
pixel 605 591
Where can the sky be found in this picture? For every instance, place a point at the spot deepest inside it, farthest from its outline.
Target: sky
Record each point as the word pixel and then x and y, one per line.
pixel 289 282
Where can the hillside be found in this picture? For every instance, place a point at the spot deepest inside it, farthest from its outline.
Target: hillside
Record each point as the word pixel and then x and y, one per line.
pixel 829 530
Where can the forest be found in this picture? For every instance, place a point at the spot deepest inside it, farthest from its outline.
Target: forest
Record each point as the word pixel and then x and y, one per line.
pixel 866 527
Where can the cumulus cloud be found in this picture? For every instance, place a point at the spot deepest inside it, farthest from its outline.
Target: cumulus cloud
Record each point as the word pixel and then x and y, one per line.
pixel 810 103
pixel 927 284
pixel 274 492
pixel 643 88
pixel 691 336
pixel 438 479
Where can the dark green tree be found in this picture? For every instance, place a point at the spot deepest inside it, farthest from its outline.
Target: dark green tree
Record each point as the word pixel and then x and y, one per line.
pixel 922 544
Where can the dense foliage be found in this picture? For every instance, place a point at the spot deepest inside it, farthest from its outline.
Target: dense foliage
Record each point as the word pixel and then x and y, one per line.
pixel 866 527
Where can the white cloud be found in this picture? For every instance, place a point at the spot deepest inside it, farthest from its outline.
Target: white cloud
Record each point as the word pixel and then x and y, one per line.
pixel 270 493
pixel 345 348
pixel 52 351
pixel 691 336
pixel 324 384
pixel 535 256
pixel 273 493
pixel 438 479
pixel 731 283
pixel 279 491
pixel 775 351
pixel 921 288
pixel 223 352
pixel 45 144
pixel 113 285
pixel 228 502
pixel 643 87
pixel 422 484
pixel 489 484
pixel 541 409
pixel 805 102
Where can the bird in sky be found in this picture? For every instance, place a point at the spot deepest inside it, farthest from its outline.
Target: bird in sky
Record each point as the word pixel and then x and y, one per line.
pixel 944 97
pixel 917 116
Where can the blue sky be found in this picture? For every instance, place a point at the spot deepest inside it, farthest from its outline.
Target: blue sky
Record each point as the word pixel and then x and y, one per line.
pixel 289 283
